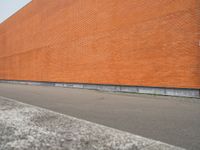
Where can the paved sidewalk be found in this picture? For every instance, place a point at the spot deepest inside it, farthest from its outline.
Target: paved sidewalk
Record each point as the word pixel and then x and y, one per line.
pixel 171 120
pixel 27 127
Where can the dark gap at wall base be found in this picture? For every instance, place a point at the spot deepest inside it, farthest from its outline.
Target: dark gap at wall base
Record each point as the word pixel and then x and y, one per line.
pixel 193 93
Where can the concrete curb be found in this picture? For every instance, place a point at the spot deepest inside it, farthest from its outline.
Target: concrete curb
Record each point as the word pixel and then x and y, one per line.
pixel 24 126
pixel 193 93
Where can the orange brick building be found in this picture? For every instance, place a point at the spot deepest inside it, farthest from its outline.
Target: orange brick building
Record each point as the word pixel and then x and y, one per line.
pixel 143 43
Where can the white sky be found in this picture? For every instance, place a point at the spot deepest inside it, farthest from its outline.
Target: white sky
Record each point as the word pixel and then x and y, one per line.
pixel 9 7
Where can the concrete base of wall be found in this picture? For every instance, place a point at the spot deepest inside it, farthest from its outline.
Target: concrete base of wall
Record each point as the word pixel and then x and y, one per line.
pixel 195 93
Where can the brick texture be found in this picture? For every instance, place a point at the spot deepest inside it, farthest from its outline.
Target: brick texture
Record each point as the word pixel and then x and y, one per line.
pixel 124 42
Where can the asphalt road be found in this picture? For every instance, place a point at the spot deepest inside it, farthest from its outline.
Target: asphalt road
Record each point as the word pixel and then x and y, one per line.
pixel 171 120
pixel 27 127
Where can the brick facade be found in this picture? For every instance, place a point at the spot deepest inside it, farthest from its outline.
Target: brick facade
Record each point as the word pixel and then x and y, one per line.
pixel 132 42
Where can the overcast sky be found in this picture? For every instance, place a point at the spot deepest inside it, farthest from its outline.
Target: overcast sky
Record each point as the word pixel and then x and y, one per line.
pixel 9 7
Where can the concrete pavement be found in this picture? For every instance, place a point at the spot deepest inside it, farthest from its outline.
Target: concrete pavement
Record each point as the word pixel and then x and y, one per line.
pixel 168 119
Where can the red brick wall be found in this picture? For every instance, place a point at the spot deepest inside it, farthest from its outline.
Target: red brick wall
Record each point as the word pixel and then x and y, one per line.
pixel 128 42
